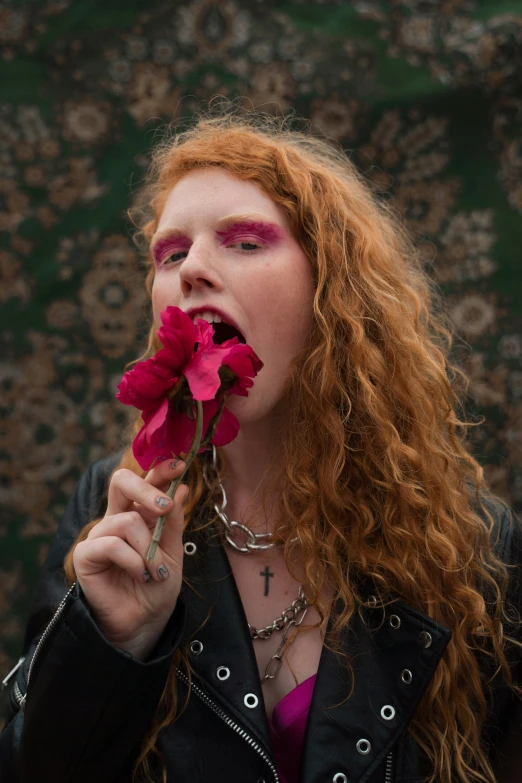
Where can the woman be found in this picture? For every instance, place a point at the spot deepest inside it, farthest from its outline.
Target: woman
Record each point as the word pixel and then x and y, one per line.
pixel 373 635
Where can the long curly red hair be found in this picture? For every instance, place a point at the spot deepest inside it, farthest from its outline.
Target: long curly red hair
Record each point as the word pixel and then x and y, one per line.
pixel 376 476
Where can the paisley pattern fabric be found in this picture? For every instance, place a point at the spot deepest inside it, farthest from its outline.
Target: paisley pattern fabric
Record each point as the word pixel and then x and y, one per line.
pixel 424 96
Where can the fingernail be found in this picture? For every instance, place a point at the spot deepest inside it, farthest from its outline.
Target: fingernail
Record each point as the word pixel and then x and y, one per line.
pixel 175 463
pixel 162 501
pixel 146 576
pixel 163 572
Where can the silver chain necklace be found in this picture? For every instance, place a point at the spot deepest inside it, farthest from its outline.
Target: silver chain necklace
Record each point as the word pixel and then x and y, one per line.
pixel 253 541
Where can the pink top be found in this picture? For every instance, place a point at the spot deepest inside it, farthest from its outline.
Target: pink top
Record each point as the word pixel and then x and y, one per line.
pixel 287 728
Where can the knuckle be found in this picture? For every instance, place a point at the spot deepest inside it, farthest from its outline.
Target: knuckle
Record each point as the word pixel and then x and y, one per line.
pixel 119 474
pixel 93 532
pixel 112 543
pixel 134 518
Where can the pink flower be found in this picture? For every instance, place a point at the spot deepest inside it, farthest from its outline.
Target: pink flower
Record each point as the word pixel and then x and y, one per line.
pixel 189 367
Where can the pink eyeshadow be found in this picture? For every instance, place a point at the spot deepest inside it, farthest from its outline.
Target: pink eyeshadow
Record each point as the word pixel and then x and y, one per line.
pixel 268 232
pixel 162 245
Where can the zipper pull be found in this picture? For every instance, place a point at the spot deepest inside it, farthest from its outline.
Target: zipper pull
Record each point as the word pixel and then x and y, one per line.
pixel 13 671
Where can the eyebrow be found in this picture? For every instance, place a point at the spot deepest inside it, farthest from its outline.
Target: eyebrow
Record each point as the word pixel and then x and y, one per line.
pixel 224 222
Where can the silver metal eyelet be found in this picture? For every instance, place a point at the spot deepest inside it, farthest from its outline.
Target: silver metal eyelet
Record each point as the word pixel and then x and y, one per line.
pixel 388 712
pixel 340 777
pixel 364 746
pixel 196 647
pixel 425 639
pixel 395 621
pixel 222 673
pixel 190 548
pixel 406 676
pixel 251 700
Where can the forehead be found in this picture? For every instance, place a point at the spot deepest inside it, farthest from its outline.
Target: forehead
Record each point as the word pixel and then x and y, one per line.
pixel 210 194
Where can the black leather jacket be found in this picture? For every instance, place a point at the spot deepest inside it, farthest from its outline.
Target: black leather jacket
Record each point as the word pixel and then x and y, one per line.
pixel 79 706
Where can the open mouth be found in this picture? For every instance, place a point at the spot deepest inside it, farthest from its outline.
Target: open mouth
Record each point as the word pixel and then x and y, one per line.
pixel 223 332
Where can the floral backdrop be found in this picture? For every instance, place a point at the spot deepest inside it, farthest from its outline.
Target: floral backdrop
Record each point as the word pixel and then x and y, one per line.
pixel 425 96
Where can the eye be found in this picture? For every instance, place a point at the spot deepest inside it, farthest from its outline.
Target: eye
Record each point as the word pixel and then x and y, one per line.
pixel 246 247
pixel 253 246
pixel 173 256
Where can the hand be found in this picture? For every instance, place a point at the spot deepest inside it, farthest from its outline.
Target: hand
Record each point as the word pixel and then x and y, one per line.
pixel 130 608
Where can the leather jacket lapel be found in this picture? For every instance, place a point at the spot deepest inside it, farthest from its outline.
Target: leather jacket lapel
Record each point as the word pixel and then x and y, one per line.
pixel 394 652
pixel 226 665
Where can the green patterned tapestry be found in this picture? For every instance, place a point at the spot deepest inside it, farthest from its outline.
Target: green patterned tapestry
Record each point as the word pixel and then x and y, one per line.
pixel 424 95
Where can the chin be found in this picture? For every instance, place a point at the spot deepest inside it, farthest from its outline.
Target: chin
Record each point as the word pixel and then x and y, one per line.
pixel 243 408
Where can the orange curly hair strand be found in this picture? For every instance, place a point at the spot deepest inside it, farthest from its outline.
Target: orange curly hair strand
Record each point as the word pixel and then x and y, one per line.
pixel 376 476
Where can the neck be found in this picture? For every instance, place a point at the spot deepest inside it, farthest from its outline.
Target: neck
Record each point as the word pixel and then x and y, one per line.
pixel 252 457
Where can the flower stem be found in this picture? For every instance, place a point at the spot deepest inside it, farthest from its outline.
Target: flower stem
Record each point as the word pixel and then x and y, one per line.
pixel 196 443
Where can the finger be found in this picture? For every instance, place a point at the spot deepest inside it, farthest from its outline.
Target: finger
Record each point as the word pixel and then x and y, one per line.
pixel 151 516
pixel 131 528
pixel 171 540
pixel 162 474
pixel 95 555
pixel 127 487
pixel 161 477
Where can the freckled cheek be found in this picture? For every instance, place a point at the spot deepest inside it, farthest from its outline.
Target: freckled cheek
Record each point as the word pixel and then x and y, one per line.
pixel 155 296
pixel 160 298
pixel 281 338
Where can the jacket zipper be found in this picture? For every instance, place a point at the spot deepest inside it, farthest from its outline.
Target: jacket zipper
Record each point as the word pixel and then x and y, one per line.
pixel 19 696
pixel 13 671
pixel 224 717
pixel 389 763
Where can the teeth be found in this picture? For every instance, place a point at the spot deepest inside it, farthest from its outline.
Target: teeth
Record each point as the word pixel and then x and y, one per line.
pixel 211 318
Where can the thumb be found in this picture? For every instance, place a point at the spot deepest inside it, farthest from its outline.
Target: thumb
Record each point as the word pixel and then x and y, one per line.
pixel 171 541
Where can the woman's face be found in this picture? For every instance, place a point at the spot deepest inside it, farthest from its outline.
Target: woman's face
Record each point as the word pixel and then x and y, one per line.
pixel 222 242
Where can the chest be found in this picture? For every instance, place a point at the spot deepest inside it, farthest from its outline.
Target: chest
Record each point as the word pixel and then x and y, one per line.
pixel 267 589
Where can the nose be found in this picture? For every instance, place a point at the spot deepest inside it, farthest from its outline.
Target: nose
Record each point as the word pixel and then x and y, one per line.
pixel 198 268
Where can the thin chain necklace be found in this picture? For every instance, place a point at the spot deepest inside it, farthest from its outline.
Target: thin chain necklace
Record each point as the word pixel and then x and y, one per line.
pixel 294 615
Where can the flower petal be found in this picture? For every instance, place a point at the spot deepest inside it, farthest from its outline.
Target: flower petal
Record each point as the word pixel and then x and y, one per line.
pixel 145 384
pixel 177 335
pixel 244 363
pixel 202 372
pixel 226 430
pixel 148 441
pixel 181 429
